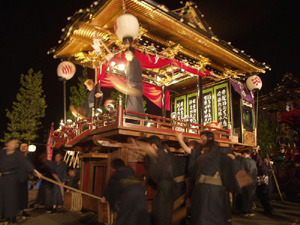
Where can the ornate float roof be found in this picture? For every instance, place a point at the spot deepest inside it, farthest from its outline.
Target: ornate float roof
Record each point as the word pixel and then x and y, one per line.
pixel 180 34
pixel 284 97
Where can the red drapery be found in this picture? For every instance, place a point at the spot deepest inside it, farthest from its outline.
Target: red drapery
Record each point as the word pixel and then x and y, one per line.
pixel 292 118
pixel 153 93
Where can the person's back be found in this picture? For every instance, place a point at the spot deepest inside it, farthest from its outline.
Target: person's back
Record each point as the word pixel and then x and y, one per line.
pixel 248 192
pixel 126 196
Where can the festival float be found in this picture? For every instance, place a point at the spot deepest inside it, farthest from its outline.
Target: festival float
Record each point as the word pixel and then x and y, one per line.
pixel 197 79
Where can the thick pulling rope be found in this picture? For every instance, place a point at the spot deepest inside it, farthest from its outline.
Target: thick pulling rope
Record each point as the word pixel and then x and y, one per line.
pixel 70 188
pixel 77 201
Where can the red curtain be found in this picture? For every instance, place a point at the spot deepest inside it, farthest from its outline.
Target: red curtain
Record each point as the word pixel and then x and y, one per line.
pixel 153 93
pixel 292 118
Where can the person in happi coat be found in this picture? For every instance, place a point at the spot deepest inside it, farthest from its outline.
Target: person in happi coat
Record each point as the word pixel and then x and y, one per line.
pixel 126 195
pixel 192 149
pixel 73 178
pixel 45 190
pixel 248 192
pixel 58 169
pixel 23 193
pixel 94 97
pixel 14 168
pixel 263 181
pixel 134 80
pixel 158 164
pixel 212 174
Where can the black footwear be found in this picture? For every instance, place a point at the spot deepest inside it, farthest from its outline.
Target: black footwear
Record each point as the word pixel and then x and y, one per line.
pixel 53 211
pixel 25 214
pixel 11 220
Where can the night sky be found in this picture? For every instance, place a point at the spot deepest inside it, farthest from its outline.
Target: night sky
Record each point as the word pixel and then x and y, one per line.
pixel 266 30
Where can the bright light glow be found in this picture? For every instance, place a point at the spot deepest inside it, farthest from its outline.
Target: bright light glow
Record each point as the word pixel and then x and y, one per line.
pixel 121 67
pixel 113 63
pixel 158 78
pixel 31 148
pixel 173 115
pixel 69 121
pixel 70 152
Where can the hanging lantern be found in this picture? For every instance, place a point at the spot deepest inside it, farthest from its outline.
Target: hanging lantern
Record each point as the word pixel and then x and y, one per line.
pixel 127 28
pixel 66 70
pixel 254 83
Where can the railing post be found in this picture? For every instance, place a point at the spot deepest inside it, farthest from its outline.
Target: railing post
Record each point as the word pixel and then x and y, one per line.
pixel 120 111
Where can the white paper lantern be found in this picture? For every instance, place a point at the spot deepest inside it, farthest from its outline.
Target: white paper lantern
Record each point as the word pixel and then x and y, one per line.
pixel 127 28
pixel 31 148
pixel 254 83
pixel 66 70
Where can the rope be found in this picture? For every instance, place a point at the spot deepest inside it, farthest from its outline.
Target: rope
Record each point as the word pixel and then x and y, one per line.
pixel 76 202
pixel 70 188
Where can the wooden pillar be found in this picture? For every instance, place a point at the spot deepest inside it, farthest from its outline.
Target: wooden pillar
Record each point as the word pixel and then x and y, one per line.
pixel 82 175
pixel 200 100
pixel 96 76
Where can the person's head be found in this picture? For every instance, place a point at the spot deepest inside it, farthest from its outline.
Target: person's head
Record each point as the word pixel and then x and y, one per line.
pixel 108 101
pixel 246 154
pixel 193 144
pixel 58 157
pixel 155 142
pixel 12 144
pixel 71 172
pixel 24 148
pixel 117 163
pixel 89 83
pixel 129 53
pixel 266 160
pixel 296 138
pixel 207 138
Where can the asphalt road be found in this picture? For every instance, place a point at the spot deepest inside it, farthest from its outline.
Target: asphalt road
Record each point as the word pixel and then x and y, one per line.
pixel 286 213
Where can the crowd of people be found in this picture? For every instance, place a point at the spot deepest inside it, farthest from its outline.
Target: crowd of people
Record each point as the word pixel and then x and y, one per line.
pixel 15 169
pixel 218 181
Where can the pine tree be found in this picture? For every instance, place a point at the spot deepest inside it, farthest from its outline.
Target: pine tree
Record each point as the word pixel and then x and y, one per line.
pixel 266 134
pixel 28 109
pixel 79 93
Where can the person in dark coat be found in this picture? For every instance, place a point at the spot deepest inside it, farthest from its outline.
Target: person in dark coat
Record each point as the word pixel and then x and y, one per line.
pixel 126 196
pixel 159 168
pixel 23 193
pixel 263 181
pixel 192 149
pixel 209 201
pixel 73 178
pixel 14 168
pixel 94 99
pixel 248 192
pixel 134 80
pixel 59 171
pixel 45 190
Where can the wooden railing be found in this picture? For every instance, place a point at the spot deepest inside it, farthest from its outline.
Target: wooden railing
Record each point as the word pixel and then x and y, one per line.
pixel 133 120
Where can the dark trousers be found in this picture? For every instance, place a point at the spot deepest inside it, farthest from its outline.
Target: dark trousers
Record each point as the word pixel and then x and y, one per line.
pixel 262 194
pixel 248 194
pixel 162 205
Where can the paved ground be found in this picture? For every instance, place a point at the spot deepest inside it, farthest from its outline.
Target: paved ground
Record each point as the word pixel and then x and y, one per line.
pixel 286 213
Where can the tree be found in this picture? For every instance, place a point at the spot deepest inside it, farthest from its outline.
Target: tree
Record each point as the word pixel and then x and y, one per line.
pixel 79 93
pixel 28 109
pixel 266 133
